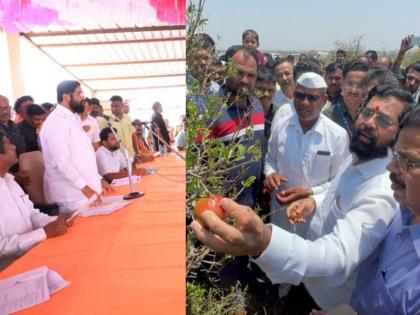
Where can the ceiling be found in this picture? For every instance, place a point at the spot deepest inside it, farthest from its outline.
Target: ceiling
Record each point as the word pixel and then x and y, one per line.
pixel 110 60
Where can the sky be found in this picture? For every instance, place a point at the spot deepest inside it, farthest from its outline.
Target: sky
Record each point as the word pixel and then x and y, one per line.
pixel 310 24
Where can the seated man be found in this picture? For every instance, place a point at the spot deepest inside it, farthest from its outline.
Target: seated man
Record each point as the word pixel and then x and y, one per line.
pixel 111 163
pixel 140 146
pixel 21 225
pixel 9 128
pixel 30 126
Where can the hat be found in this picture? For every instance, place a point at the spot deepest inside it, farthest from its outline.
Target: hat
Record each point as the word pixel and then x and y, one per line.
pixel 312 80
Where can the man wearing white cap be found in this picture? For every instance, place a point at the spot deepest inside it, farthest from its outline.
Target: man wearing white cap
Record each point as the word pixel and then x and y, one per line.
pixel 305 151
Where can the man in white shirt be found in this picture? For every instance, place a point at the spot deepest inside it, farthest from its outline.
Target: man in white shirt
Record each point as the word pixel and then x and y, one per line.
pixel 283 72
pixel 305 151
pixel 347 226
pixel 96 108
pixel 111 162
pixel 21 225
pixel 71 174
pixel 287 108
pixel 89 124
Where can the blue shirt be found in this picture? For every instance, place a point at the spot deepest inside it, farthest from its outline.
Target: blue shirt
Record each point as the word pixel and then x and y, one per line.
pixel 180 140
pixel 389 284
pixel 232 124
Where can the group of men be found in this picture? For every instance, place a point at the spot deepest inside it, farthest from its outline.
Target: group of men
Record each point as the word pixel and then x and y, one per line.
pixel 81 155
pixel 341 157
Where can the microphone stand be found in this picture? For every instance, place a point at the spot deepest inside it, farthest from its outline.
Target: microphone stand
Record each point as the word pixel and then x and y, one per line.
pixel 163 141
pixel 133 194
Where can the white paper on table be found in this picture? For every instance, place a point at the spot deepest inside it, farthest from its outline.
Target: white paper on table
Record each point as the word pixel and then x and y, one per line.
pixel 113 198
pixel 28 289
pixel 106 208
pixel 125 181
pixel 83 207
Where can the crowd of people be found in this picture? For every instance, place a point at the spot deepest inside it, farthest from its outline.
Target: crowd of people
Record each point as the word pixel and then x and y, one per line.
pixel 339 175
pixel 82 151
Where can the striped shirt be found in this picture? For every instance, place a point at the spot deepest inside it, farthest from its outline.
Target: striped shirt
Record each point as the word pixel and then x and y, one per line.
pixel 233 123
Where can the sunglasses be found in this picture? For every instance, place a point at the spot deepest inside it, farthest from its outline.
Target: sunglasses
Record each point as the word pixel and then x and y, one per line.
pixel 383 121
pixel 301 96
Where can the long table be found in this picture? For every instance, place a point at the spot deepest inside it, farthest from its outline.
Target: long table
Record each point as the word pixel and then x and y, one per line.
pixel 129 262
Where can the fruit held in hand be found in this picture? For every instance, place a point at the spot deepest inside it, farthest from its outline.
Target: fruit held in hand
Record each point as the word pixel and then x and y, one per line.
pixel 294 216
pixel 209 203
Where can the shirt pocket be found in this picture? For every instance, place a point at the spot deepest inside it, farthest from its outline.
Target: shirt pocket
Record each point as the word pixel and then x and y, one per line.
pixel 374 298
pixel 320 168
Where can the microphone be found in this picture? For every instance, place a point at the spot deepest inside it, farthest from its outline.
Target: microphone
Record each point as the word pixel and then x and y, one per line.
pixel 96 114
pixel 144 123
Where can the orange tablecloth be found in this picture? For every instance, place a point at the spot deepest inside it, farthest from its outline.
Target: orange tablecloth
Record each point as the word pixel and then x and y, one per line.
pixel 129 262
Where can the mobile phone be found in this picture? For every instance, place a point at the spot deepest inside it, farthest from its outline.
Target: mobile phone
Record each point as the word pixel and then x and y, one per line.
pixel 415 41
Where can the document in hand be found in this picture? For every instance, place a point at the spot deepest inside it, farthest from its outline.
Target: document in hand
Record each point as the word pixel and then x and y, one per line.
pixel 125 181
pixel 29 289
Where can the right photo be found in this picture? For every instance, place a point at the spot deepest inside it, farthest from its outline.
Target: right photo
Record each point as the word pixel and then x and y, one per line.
pixel 303 158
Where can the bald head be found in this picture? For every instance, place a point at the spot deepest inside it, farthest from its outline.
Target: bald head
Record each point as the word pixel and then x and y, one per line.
pixel 4 99
pixel 5 110
pixel 383 62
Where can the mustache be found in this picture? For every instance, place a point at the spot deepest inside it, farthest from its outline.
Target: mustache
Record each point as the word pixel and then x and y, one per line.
pixel 370 133
pixel 395 179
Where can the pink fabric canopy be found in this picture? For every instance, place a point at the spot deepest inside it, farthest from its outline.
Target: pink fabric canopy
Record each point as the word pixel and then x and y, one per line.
pixel 25 15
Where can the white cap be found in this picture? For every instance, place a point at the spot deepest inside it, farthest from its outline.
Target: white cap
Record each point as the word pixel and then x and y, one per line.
pixel 312 80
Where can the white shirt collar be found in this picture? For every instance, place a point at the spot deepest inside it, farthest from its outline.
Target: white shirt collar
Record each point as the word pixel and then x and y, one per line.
pixel 318 127
pixel 374 167
pixel 64 110
pixel 107 151
pixel 8 176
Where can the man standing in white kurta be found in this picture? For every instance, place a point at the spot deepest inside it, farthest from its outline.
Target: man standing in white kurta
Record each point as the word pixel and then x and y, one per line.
pixel 305 151
pixel 71 174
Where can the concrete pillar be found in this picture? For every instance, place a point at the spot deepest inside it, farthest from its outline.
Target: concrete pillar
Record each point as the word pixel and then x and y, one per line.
pixel 5 73
pixel 15 61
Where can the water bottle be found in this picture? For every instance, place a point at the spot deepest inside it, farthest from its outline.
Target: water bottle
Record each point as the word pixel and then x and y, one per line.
pixel 165 150
pixel 161 149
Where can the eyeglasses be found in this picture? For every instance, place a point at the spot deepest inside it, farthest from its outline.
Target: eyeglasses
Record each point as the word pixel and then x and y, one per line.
pixel 301 96
pixel 383 121
pixel 350 84
pixel 403 163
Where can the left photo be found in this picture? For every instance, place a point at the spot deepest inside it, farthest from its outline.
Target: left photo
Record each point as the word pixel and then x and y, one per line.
pixel 92 157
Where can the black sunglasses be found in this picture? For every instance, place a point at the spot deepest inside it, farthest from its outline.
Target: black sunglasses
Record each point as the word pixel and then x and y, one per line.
pixel 301 96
